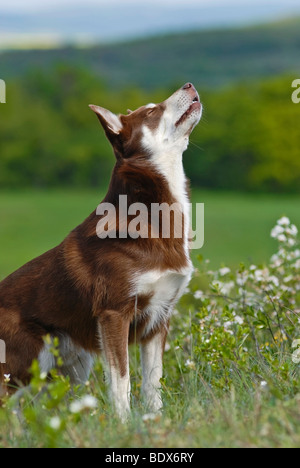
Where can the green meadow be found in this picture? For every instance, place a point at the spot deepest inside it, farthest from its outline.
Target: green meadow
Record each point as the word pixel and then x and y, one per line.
pixel 237 226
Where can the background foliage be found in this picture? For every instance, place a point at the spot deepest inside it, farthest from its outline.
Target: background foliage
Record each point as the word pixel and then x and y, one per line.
pixel 248 140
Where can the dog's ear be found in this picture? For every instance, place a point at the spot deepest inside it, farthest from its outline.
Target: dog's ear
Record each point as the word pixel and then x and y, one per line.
pixel 109 121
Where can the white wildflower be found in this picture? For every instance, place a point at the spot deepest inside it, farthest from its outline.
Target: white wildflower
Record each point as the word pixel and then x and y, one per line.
pixel 242 278
pixel 227 287
pixel 262 275
pixel 273 279
pixel 227 324
pixel 75 407
pixel 258 275
pixel 87 402
pixel 296 253
pixel 297 265
pixel 296 353
pixel 276 231
pixel 284 221
pixel 282 253
pixel 276 261
pixel 292 230
pixel 217 285
pixel 224 288
pixel 55 423
pixel 150 417
pixel 198 294
pixel 239 319
pixel 190 364
pixel 224 271
pixel 296 356
pixel 6 378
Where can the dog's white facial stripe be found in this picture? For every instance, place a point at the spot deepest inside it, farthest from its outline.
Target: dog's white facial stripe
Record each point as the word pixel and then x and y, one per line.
pixel 150 106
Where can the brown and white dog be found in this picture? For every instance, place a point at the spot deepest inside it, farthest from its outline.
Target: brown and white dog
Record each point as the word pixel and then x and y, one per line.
pixel 99 295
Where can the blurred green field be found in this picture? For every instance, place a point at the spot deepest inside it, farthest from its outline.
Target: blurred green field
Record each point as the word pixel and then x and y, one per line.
pixel 237 226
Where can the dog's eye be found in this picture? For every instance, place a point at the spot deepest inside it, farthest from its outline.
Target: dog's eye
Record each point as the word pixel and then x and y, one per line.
pixel 150 111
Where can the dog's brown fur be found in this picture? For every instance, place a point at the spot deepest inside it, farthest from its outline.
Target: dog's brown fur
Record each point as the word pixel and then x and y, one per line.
pixel 86 280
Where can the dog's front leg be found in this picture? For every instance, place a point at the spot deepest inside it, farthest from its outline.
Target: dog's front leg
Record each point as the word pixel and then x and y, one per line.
pixel 114 330
pixel 152 368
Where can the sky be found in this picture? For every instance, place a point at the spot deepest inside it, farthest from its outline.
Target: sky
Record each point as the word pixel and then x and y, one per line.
pixel 33 5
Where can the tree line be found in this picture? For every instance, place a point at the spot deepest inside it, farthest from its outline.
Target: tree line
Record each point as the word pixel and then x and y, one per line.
pixel 248 139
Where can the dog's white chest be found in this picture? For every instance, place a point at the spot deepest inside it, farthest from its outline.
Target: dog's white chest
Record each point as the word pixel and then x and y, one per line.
pixel 165 289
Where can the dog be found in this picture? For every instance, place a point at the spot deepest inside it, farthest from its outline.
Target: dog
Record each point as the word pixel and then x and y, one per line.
pixel 98 294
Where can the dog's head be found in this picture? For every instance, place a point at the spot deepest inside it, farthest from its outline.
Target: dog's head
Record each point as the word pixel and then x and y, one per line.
pixel 154 128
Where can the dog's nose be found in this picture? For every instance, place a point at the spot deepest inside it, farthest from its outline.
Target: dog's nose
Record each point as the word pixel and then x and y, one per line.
pixel 188 86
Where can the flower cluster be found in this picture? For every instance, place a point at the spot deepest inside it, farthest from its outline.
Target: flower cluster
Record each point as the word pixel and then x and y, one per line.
pixel 250 314
pixel 87 402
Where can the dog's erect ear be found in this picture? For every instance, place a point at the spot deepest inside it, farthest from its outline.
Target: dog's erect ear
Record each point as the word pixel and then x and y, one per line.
pixel 109 121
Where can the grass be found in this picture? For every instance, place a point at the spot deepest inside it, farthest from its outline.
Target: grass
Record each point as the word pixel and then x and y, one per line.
pixel 196 415
pixel 250 401
pixel 212 423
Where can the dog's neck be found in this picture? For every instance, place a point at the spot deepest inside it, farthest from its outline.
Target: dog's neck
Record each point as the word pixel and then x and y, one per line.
pixel 170 166
pixel 166 156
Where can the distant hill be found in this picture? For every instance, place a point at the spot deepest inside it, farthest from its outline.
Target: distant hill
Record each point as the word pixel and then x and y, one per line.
pixel 211 58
